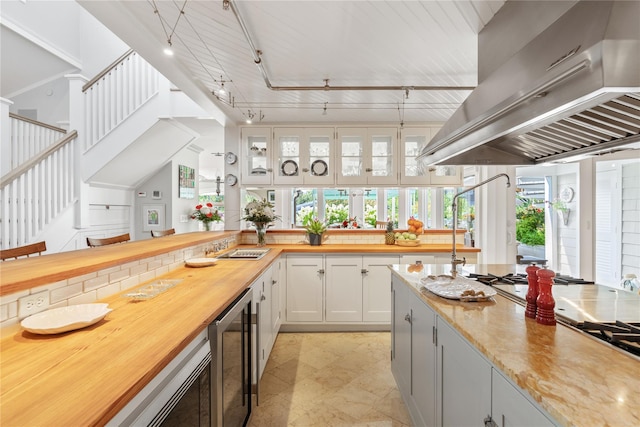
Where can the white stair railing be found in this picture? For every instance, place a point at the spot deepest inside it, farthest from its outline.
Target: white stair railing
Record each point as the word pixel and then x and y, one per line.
pixel 33 194
pixel 28 138
pixel 115 94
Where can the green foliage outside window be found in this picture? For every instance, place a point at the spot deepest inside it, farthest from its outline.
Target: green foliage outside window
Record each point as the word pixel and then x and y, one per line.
pixel 530 224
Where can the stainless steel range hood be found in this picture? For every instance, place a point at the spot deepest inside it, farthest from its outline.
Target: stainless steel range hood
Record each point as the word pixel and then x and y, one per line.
pixel 573 90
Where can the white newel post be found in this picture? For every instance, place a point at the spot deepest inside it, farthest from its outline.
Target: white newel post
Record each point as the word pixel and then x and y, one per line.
pixel 5 136
pixel 77 122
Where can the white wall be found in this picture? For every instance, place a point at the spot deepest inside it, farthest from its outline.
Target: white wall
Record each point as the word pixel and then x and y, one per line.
pixel 72 32
pixel 566 243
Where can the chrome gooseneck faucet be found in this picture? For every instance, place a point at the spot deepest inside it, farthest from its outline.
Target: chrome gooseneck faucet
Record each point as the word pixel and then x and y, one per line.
pixel 454 259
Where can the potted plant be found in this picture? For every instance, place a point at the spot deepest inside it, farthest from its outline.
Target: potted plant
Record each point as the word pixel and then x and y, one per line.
pixel 315 228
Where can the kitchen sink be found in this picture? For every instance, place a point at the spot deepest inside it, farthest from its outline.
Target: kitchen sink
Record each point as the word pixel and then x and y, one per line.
pixel 244 254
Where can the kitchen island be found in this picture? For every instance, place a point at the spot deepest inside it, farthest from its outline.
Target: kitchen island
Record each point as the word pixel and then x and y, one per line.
pixel 575 379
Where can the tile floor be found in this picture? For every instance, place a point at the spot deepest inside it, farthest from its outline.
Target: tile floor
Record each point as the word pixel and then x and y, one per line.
pixel 330 379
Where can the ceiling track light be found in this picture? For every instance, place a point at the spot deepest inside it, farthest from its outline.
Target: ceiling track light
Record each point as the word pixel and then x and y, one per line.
pixel 169 50
pixel 250 117
pixel 324 110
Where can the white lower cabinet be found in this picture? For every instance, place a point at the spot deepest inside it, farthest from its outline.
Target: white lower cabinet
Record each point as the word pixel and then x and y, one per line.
pixel 413 354
pixel 263 308
pixel 509 407
pixel 446 381
pixel 339 288
pixel 464 380
pixel 343 292
pixel 305 283
pixel 358 288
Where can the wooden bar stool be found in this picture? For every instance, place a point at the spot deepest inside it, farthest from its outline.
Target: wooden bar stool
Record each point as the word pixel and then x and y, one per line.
pixel 93 242
pixel 160 233
pixel 34 248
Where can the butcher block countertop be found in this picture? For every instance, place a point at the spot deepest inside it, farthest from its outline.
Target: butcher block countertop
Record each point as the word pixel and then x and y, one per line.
pixel 577 379
pixel 373 249
pixel 84 377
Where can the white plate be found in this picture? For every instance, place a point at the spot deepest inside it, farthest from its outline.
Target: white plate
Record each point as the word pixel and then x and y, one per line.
pixel 453 288
pixel 65 319
pixel 200 262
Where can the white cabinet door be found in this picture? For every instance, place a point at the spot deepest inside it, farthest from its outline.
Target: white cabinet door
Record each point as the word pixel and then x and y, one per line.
pixel 288 157
pixel 367 156
pixel 343 284
pixel 445 176
pixel 509 407
pixel 305 279
pixel 376 288
pixel 303 156
pixel 412 141
pixel 350 154
pixel 401 337
pixel 413 353
pixel 276 298
pixel 464 380
pixel 262 296
pixel 318 167
pixel 382 156
pixel 255 161
pixel 423 363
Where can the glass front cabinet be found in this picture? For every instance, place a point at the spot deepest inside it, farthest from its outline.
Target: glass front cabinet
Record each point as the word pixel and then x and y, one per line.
pixel 367 156
pixel 256 168
pixel 304 156
pixel 413 140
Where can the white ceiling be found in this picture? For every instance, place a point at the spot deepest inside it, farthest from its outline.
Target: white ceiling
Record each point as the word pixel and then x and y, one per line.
pixel 402 44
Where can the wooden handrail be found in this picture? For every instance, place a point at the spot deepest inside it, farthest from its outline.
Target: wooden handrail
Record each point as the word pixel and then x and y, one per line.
pixel 104 72
pixel 11 176
pixel 35 122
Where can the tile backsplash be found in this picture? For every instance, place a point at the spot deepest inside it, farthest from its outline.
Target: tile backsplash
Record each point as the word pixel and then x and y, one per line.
pixel 94 286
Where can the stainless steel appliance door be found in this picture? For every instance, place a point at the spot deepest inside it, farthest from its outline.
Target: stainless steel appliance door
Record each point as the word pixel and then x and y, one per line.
pixel 231 364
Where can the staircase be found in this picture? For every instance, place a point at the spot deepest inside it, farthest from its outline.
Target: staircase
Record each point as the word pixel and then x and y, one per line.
pixel 46 170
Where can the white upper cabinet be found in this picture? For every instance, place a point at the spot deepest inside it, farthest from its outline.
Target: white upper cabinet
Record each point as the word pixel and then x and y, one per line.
pixel 303 156
pixel 413 140
pixel 367 156
pixel 255 163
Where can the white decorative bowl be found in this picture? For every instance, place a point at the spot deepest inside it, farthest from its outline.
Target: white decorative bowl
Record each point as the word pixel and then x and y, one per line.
pixel 65 319
pixel 200 262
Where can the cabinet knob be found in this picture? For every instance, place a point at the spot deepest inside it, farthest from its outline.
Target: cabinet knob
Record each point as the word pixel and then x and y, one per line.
pixel 368 170
pixel 269 169
pixel 364 271
pixel 273 282
pixel 305 169
pixel 407 318
pixel 262 297
pixel 321 271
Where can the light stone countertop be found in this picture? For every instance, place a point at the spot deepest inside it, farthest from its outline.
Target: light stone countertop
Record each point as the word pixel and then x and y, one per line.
pixel 577 379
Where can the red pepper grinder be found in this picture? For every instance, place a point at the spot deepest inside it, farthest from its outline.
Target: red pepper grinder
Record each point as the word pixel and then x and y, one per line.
pixel 545 302
pixel 532 292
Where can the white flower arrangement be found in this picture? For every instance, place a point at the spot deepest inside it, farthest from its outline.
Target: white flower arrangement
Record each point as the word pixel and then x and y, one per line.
pixel 259 211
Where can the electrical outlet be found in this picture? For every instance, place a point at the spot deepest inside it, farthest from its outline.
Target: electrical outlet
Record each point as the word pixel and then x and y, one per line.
pixel 32 304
